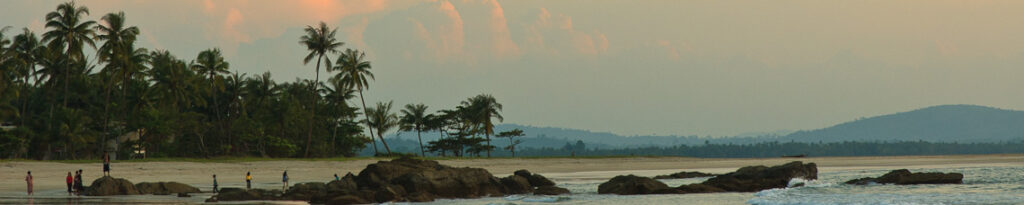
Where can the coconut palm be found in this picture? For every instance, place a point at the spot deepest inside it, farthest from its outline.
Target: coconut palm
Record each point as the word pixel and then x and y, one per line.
pixel 68 31
pixel 381 119
pixel 319 41
pixel 170 77
pixel 414 118
pixel 482 108
pixel 354 71
pixel 211 64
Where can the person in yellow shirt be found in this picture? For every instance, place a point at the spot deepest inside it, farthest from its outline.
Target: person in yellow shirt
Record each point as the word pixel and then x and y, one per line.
pixel 248 180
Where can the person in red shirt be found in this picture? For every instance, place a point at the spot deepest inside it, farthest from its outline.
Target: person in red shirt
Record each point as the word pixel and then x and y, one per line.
pixel 70 180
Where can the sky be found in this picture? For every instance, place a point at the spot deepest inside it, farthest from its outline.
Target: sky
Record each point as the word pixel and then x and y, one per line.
pixel 656 67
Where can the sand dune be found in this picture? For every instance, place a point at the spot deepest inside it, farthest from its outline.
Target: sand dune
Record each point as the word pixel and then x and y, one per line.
pixel 50 175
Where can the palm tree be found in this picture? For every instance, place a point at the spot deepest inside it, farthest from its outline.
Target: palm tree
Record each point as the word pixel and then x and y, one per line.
pixel 354 71
pixel 319 41
pixel 26 49
pixel 170 79
pixel 414 118
pixel 482 108
pixel 381 119
pixel 211 64
pixel 115 51
pixel 69 33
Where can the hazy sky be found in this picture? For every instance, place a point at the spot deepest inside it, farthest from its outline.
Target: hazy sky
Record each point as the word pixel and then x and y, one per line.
pixel 673 67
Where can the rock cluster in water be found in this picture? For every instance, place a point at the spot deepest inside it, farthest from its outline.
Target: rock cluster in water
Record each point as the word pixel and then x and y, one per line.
pixel 905 177
pixel 746 179
pixel 405 179
pixel 684 175
pixel 109 186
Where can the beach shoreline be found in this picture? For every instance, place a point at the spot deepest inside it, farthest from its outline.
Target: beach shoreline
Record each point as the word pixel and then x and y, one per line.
pixel 267 174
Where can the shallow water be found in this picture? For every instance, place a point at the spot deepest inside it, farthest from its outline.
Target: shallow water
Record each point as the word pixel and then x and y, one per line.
pixel 982 185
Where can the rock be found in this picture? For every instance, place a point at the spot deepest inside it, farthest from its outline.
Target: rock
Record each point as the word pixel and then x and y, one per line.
pixel 420 197
pixel 347 199
pixel 698 188
pixel 184 195
pixel 431 177
pixel 315 192
pixel 630 185
pixel 905 177
pixel 109 186
pixel 517 184
pixel 165 188
pixel 347 185
pixel 389 193
pixel 535 180
pixel 757 178
pixel 550 190
pixel 236 194
pixel 684 175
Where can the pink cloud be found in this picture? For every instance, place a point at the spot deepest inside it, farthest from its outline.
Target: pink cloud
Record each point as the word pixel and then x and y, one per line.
pixel 502 43
pixel 547 29
pixel 355 34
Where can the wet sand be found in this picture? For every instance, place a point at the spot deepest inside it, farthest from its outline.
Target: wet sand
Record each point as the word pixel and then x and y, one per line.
pixel 267 174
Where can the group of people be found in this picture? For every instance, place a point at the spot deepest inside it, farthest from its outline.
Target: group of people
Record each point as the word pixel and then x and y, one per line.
pixel 75 186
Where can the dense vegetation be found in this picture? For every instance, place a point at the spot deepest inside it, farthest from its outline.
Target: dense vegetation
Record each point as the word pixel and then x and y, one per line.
pixel 58 103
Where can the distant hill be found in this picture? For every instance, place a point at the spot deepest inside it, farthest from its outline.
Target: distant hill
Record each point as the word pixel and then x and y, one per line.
pixel 945 123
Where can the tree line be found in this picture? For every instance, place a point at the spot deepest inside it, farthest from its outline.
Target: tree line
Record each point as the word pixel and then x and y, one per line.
pixel 57 103
pixel 777 149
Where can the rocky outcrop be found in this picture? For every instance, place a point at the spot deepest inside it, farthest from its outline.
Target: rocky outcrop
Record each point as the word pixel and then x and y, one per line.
pixel 746 179
pixel 237 194
pixel 757 178
pixel 550 190
pixel 684 175
pixel 109 186
pixel 905 177
pixel 630 185
pixel 404 180
pixel 164 188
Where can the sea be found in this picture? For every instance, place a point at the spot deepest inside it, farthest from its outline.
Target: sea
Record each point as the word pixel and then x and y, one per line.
pixel 983 184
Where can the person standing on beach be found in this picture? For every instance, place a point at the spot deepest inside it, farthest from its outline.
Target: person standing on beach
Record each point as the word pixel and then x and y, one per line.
pixel 70 180
pixel 214 183
pixel 284 179
pixel 106 164
pixel 28 179
pixel 248 180
pixel 336 177
pixel 79 188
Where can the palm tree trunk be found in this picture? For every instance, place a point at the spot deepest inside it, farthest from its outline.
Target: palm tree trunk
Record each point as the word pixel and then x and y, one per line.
pixel 367 115
pixel 312 113
pixel 381 135
pixel 67 80
pixel 422 153
pixel 488 143
pixel 106 118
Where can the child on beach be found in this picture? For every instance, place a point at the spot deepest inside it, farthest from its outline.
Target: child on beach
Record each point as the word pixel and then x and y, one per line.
pixel 214 183
pixel 248 180
pixel 28 179
pixel 106 164
pixel 70 180
pixel 284 179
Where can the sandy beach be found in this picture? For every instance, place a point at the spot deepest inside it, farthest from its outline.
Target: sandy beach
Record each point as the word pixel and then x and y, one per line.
pixel 267 174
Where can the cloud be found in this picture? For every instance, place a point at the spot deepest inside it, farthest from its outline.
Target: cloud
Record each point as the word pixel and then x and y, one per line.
pixel 502 44
pixel 355 32
pixel 548 34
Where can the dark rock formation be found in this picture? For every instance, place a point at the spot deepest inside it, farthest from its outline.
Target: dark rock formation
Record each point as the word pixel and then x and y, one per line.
pixel 237 194
pixel 905 177
pixel 746 179
pixel 404 180
pixel 534 179
pixel 108 186
pixel 630 185
pixel 164 188
pixel 550 190
pixel 757 178
pixel 684 175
